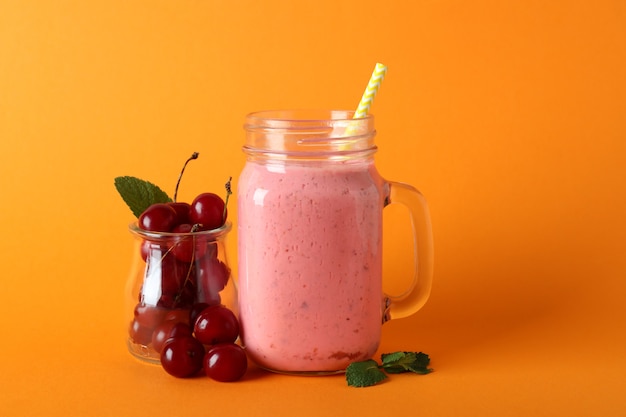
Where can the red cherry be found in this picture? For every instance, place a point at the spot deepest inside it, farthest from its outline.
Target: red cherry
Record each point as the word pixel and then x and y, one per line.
pixel 195 310
pixel 149 316
pixel 159 217
pixel 140 334
pixel 182 211
pixel 178 315
pixel 188 246
pixel 182 357
pixel 226 362
pixel 145 249
pixel 167 330
pixel 187 295
pixel 212 276
pixel 183 247
pixel 165 279
pixel 207 210
pixel 216 324
pixel 206 245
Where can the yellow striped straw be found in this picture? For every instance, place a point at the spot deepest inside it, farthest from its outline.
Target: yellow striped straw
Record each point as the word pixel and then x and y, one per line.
pixel 370 92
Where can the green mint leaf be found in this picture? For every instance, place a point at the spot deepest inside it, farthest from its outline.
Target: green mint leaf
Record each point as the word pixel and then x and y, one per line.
pixel 391 358
pixel 139 194
pixel 420 365
pixel 399 362
pixel 364 374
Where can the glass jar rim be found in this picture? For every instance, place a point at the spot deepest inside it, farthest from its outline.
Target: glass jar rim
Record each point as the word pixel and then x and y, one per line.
pixel 303 118
pixel 212 234
pixel 309 134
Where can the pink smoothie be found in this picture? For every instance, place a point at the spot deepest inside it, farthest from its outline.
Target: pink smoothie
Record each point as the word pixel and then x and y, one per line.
pixel 310 239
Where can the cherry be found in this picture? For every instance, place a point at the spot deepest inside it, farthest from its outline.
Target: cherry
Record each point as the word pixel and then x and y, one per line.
pixel 182 211
pixel 145 248
pixel 167 330
pixel 208 211
pixel 182 356
pixel 216 324
pixel 183 248
pixel 225 362
pixel 140 334
pixel 186 295
pixel 173 274
pixel 178 315
pixel 149 316
pixel 159 217
pixel 212 276
pixel 205 246
pixel 168 282
pixel 195 311
pixel 188 246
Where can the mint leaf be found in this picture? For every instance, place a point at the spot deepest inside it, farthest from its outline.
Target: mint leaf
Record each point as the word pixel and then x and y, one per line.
pixel 391 358
pixel 399 362
pixel 364 374
pixel 367 373
pixel 139 194
pixel 420 364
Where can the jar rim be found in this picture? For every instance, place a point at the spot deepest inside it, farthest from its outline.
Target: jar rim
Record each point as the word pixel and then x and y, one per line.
pixel 309 133
pixel 212 234
pixel 299 117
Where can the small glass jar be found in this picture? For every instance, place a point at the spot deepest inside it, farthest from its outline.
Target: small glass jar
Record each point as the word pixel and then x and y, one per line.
pixel 171 274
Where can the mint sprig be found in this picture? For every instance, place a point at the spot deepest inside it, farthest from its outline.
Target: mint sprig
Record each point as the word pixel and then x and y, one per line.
pixel 368 373
pixel 364 374
pixel 139 194
pixel 399 362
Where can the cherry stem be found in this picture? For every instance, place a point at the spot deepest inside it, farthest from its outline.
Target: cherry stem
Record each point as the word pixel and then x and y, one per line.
pixel 228 193
pixel 193 156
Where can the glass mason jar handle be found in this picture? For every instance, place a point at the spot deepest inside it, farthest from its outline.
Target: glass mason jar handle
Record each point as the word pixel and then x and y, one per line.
pixel 417 294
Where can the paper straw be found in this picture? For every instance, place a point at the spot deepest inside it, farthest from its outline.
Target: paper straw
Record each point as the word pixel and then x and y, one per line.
pixel 370 92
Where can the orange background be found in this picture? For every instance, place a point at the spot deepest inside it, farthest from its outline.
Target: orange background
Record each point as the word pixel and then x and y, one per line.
pixel 508 116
